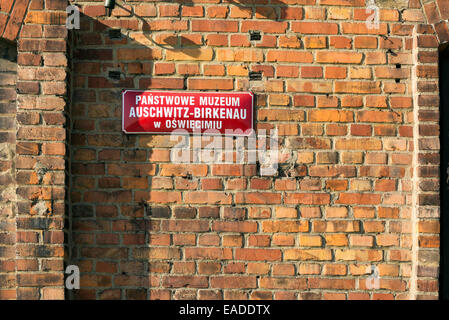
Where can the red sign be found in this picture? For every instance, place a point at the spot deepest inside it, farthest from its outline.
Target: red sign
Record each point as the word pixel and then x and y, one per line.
pixel 205 112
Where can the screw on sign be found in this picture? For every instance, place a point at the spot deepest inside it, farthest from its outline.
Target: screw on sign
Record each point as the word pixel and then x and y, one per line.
pixel 188 112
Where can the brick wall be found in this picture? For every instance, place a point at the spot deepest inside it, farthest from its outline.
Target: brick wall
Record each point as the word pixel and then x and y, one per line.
pixel 357 115
pixel 342 98
pixel 8 78
pixel 38 29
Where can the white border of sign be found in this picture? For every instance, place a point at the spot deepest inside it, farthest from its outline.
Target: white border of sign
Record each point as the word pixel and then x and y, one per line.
pixel 189 133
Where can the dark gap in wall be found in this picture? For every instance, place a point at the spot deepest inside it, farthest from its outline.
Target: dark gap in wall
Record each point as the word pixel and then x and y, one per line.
pixel 255 35
pixel 255 75
pixel 114 34
pixel 444 161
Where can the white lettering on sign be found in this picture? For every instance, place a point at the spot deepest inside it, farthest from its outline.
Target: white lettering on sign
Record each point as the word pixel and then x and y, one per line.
pixel 183 112
pixel 192 124
pixel 165 100
pixel 220 101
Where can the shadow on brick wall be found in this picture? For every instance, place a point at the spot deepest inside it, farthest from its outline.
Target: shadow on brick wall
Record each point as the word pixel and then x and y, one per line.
pixel 120 239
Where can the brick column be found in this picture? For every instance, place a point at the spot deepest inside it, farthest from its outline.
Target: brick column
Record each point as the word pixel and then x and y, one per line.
pixel 429 38
pixel 8 75
pixel 41 149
